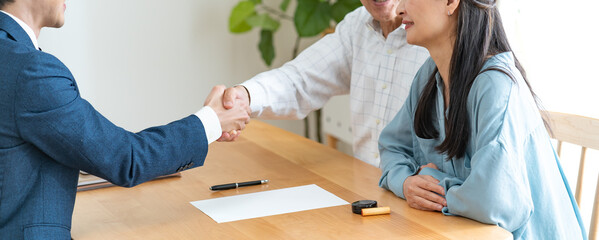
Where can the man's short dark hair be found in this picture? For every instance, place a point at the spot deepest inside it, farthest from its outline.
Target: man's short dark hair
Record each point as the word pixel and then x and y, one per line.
pixel 2 2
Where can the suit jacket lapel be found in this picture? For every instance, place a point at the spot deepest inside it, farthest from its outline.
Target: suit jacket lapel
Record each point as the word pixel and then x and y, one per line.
pixel 14 30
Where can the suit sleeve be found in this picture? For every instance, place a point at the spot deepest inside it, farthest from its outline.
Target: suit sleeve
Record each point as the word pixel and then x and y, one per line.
pixel 51 115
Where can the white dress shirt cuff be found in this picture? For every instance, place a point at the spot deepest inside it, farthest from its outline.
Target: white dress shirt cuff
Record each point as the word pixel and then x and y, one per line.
pixel 257 96
pixel 211 123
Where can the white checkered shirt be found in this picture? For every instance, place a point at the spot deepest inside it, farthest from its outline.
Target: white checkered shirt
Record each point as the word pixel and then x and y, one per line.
pixel 356 59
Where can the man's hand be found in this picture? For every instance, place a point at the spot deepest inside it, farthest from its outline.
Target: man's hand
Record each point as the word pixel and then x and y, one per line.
pixel 232 119
pixel 232 96
pixel 229 136
pixel 422 191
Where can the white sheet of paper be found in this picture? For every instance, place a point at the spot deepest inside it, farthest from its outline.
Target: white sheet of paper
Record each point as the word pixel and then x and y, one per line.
pixel 267 203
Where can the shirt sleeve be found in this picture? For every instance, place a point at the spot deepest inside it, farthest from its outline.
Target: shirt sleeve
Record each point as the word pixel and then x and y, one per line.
pixel 307 82
pixel 496 190
pixel 211 123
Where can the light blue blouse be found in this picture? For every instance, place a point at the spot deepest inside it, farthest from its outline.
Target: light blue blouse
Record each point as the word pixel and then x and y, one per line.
pixel 510 175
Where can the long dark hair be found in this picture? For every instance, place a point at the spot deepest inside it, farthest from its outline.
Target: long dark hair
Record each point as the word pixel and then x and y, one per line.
pixel 480 35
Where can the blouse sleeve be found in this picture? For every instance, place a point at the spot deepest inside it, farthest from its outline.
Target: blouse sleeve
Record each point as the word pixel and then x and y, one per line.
pixel 497 190
pixel 397 157
pixel 396 143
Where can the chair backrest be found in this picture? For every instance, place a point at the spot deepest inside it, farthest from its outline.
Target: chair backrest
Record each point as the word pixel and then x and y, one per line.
pixel 582 131
pixel 336 121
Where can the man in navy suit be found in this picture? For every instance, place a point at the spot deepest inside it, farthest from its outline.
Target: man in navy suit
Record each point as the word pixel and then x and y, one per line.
pixel 48 132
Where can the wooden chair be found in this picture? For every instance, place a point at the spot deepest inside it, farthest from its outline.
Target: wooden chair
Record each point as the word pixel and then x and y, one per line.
pixel 582 131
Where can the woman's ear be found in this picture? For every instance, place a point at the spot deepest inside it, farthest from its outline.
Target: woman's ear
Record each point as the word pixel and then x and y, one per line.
pixel 452 6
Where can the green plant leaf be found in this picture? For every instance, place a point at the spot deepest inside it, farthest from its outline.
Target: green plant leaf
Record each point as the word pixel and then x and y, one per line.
pixel 239 14
pixel 266 46
pixel 343 7
pixel 311 17
pixel 256 1
pixel 263 21
pixel 284 5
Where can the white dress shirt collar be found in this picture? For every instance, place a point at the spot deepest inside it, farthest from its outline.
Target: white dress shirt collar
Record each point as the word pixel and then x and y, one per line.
pixel 376 26
pixel 25 27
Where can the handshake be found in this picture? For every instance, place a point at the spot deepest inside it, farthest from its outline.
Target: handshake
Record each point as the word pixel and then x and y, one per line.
pixel 232 106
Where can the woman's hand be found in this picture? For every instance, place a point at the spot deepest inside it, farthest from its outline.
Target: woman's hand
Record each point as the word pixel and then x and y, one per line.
pixel 429 165
pixel 423 192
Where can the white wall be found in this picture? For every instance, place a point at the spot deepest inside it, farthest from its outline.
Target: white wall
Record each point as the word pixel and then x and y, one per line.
pixel 557 45
pixel 146 62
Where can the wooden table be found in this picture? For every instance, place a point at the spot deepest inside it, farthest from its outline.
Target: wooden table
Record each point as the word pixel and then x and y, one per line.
pixel 160 209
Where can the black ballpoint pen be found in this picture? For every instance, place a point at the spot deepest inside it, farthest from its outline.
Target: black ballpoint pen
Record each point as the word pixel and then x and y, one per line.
pixel 236 185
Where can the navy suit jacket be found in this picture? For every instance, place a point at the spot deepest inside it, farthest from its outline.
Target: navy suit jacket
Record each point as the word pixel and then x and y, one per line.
pixel 48 133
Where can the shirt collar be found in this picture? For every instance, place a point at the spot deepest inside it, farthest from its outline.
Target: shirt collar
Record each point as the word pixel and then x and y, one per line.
pixel 375 26
pixel 25 27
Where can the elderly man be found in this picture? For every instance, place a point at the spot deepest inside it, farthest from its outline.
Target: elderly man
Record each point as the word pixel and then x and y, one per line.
pixel 367 57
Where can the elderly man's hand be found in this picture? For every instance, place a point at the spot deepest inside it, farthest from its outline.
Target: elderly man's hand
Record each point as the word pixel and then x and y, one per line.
pixel 231 96
pixel 232 119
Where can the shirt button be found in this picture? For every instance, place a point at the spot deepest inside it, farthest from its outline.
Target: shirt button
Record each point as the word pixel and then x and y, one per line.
pixel 390 51
pixel 376 155
pixel 378 121
pixel 384 86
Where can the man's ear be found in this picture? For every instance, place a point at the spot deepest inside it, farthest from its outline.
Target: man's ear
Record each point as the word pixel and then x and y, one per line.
pixel 452 6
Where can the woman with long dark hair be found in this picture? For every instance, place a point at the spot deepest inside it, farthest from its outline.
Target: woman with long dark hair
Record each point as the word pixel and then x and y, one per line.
pixel 470 139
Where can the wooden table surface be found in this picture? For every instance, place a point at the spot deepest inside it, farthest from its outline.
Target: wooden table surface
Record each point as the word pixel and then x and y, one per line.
pixel 160 209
